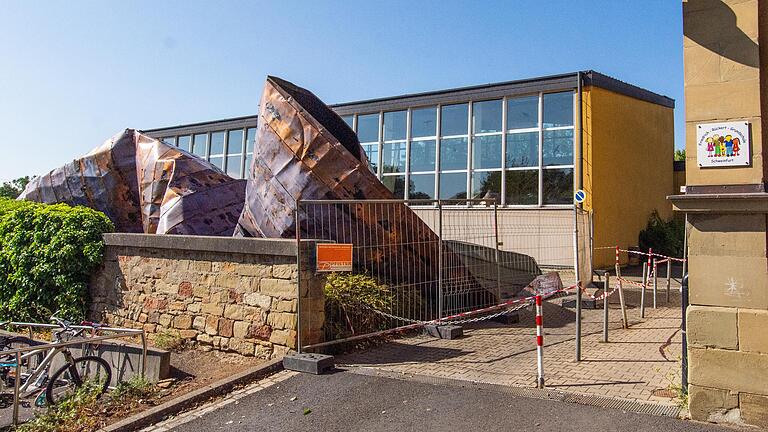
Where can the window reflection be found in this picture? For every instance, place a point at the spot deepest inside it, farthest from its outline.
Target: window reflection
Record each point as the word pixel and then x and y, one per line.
pixel 394 125
pixel 368 128
pixel 486 152
pixel 424 122
pixel 199 145
pixel 486 116
pixel 396 185
pixel 453 153
pixel 453 185
pixel 558 147
pixel 393 157
pixel 217 143
pixel 558 186
pixel 558 109
pixel 523 149
pixel 522 187
pixel 423 155
pixel 235 142
pixel 523 112
pixel 453 120
pixel 421 186
pixel 487 185
pixel 185 142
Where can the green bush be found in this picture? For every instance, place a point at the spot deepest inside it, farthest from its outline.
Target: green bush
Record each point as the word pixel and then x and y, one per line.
pixel 47 254
pixel 352 299
pixel 665 237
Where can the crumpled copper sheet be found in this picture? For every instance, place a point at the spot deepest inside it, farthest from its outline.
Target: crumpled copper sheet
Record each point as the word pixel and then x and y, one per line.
pixel 145 185
pixel 306 151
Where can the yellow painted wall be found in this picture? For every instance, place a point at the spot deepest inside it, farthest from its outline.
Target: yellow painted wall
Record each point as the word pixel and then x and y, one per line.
pixel 627 166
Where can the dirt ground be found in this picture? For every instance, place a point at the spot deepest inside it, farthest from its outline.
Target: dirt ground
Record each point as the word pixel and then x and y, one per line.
pixel 191 369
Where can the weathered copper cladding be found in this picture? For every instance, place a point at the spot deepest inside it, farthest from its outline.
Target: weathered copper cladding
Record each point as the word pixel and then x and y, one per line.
pixel 306 151
pixel 145 185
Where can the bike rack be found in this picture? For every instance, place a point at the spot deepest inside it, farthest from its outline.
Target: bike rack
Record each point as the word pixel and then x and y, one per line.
pixel 120 333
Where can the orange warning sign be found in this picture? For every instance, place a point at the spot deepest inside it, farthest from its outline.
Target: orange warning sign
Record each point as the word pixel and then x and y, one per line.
pixel 332 257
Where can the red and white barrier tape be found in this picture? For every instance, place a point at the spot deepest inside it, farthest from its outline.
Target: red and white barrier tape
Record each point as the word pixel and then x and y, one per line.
pixel 664 257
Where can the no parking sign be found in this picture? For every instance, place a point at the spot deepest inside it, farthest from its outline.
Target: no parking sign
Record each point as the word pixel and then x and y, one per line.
pixel 579 196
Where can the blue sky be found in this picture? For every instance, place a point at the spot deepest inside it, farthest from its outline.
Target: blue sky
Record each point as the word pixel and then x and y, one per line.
pixel 73 73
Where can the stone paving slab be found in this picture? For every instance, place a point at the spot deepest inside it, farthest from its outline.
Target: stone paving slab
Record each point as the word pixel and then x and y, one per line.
pixel 635 363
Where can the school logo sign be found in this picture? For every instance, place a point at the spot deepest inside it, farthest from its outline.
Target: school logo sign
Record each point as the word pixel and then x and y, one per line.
pixel 723 144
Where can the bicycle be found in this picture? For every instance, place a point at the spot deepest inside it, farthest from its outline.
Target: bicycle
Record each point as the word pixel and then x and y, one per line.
pixel 73 374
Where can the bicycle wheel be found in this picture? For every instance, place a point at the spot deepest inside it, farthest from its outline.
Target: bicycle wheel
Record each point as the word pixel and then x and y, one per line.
pixel 88 370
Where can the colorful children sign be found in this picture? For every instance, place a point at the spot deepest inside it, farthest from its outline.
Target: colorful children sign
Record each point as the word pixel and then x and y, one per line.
pixel 723 144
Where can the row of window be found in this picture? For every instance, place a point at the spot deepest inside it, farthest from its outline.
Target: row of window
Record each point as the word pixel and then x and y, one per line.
pixel 519 150
pixel 230 150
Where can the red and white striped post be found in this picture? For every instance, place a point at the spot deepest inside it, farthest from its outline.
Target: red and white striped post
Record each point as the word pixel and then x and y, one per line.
pixel 539 343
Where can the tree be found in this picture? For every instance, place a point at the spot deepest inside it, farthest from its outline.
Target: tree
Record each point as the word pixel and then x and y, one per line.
pixel 13 188
pixel 680 155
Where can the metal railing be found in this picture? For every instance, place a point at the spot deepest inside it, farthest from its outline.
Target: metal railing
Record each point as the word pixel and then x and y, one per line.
pixel 45 347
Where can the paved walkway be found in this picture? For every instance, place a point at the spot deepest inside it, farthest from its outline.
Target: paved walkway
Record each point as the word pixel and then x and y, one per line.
pixel 641 363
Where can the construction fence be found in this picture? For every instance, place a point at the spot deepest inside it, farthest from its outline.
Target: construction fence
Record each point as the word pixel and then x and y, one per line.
pixel 421 261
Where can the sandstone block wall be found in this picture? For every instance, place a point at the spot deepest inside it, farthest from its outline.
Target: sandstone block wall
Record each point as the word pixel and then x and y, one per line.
pixel 230 294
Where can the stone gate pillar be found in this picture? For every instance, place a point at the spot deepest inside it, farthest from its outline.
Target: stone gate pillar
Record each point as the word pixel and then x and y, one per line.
pixel 726 68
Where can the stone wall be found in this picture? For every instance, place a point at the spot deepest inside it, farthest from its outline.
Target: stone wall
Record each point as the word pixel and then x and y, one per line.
pixel 229 294
pixel 727 208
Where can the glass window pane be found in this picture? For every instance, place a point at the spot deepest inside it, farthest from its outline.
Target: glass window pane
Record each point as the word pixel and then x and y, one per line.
pixel 453 120
pixel 199 144
pixel 558 109
pixel 184 142
pixel 453 153
pixel 234 166
pixel 394 125
pixel 218 161
pixel 486 185
pixel 558 147
pixel 396 185
pixel 217 143
pixel 522 187
pixel 423 155
pixel 424 122
pixel 523 149
pixel 486 151
pixel 486 116
pixel 250 139
pixel 235 142
pixel 349 120
pixel 368 128
pixel 393 157
pixel 523 113
pixel 453 185
pixel 421 186
pixel 169 140
pixel 372 152
pixel 558 186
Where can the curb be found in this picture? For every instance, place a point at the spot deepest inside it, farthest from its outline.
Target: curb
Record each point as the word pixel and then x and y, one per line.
pixel 174 406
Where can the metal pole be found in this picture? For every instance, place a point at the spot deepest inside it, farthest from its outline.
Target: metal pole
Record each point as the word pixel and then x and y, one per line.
pixel 143 354
pixel 439 260
pixel 669 277
pixel 298 276
pixel 684 306
pixel 539 343
pixel 578 282
pixel 606 285
pixel 685 249
pixel 16 384
pixel 496 234
pixel 642 290
pixel 655 281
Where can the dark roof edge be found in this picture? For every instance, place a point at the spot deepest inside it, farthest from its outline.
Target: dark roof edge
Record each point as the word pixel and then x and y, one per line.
pixel 188 125
pixel 609 83
pixel 456 89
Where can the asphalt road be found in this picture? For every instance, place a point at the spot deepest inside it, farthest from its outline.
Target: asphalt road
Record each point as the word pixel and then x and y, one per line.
pixel 349 402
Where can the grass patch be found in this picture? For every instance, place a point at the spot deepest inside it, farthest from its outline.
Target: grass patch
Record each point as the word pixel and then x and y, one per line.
pixel 169 340
pixel 85 411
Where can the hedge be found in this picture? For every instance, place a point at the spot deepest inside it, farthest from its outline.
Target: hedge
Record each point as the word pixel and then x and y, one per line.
pixel 47 254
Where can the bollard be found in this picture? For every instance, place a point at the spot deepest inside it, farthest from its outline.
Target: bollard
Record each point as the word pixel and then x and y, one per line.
pixel 539 344
pixel 655 281
pixel 684 306
pixel 669 277
pixel 642 290
pixel 606 285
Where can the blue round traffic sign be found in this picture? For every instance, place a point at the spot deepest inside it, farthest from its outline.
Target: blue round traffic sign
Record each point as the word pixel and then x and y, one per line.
pixel 580 196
